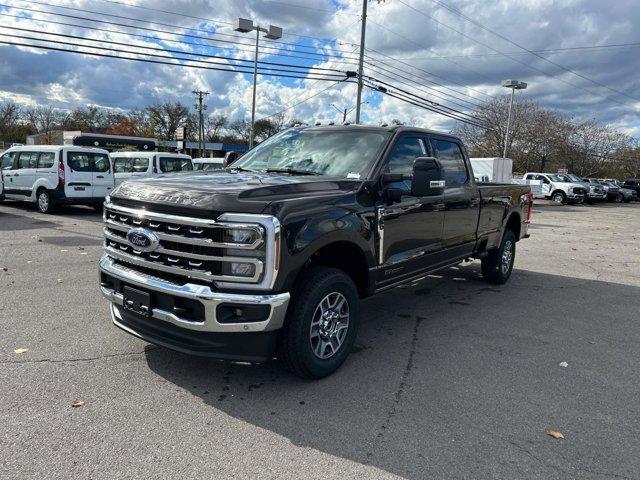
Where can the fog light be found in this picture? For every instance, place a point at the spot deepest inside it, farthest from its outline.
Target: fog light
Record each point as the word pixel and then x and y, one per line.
pixel 239 269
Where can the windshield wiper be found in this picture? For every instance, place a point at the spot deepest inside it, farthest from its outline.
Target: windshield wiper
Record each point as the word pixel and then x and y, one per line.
pixel 242 169
pixel 291 171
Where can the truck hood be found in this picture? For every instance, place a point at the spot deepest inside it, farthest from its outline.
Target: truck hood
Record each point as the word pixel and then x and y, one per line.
pixel 228 192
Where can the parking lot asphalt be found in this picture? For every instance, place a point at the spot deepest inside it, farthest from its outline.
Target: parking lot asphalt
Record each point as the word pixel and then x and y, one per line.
pixel 450 378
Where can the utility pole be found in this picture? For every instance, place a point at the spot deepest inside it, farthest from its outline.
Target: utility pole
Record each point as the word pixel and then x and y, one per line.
pixel 346 111
pixel 363 30
pixel 200 107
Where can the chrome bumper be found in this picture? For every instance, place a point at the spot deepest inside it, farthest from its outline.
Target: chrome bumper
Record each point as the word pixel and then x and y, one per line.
pixel 210 300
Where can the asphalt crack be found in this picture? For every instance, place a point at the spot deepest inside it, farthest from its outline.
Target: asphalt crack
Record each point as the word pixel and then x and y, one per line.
pixel 76 360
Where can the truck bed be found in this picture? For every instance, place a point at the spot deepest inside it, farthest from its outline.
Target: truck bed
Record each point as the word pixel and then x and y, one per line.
pixel 496 201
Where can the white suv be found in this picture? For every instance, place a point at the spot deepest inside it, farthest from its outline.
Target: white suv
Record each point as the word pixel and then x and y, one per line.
pixel 554 188
pixel 54 175
pixel 127 165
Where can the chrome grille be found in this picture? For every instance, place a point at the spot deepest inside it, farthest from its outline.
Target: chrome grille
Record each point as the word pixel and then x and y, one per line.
pixel 194 248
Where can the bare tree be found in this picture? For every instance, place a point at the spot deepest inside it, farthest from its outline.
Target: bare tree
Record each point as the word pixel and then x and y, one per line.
pixel 214 125
pixel 44 120
pixel 165 118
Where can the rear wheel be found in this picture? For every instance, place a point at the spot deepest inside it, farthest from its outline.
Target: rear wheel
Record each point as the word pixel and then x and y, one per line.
pixel 498 264
pixel 321 324
pixel 44 201
pixel 559 197
pixel 619 198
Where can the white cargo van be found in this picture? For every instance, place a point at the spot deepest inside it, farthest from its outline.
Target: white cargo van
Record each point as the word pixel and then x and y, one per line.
pixel 53 175
pixel 206 163
pixel 129 165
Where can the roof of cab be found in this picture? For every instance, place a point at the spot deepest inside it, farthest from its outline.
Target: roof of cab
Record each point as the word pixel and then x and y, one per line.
pixel 376 128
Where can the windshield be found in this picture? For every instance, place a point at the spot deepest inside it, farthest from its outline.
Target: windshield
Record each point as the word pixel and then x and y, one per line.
pixel 573 178
pixel 347 154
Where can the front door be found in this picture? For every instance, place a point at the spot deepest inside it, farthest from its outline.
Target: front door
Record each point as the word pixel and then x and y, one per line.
pixel 461 198
pixel 410 232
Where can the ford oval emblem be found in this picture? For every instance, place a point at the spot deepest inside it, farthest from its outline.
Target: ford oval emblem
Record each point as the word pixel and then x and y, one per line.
pixel 143 240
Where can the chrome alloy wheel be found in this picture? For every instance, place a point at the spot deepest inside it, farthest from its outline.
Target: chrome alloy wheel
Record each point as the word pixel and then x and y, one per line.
pixel 507 257
pixel 43 201
pixel 329 325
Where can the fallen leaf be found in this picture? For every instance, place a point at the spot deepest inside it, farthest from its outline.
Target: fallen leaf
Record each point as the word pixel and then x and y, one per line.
pixel 574 248
pixel 29 261
pixel 80 248
pixel 77 403
pixel 64 250
pixel 555 434
pixel 564 364
pixel 83 253
pixel 21 350
pixel 59 280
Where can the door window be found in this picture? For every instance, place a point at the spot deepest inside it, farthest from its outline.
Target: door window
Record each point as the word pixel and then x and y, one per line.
pixel 79 161
pixel 28 160
pixel 7 161
pixel 452 160
pixel 46 159
pixel 401 159
pixel 88 162
pixel 101 163
pixel 173 164
pixel 122 165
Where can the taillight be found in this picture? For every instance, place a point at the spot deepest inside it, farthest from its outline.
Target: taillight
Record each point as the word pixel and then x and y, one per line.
pixel 61 175
pixel 530 207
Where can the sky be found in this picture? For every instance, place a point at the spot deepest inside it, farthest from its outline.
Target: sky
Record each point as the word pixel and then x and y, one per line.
pixel 452 52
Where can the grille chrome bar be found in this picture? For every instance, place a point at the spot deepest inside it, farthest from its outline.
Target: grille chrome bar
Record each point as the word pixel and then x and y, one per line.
pixel 205 242
pixel 194 274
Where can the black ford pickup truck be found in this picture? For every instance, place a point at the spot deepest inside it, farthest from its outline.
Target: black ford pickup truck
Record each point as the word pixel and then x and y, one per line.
pixel 272 256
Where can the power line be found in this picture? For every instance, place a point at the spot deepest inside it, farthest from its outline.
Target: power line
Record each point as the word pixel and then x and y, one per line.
pixel 208 56
pixel 499 35
pixel 133 19
pixel 498 51
pixel 406 39
pixel 149 37
pixel 304 99
pixel 147 60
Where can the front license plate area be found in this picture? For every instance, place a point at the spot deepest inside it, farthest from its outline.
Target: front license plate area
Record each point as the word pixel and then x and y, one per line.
pixel 136 301
pixel 79 189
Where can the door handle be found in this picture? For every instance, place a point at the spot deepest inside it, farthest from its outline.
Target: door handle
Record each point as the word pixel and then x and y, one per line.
pixel 16 174
pixel 99 176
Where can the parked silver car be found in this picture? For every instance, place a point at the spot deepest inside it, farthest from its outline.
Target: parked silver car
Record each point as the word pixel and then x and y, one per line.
pixel 595 192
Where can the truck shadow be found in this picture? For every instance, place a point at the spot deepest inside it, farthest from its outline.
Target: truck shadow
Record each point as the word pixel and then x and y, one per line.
pixel 455 375
pixel 26 209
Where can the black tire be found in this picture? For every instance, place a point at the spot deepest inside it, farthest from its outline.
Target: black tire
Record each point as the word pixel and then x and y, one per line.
pixel 296 343
pixel 559 197
pixel 98 207
pixel 619 198
pixel 44 202
pixel 497 265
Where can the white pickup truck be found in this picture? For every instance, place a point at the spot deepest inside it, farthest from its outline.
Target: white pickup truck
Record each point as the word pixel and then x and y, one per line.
pixel 554 188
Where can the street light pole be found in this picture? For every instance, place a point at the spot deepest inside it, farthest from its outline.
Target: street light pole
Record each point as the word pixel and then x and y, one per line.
pixel 513 85
pixel 244 25
pixel 363 30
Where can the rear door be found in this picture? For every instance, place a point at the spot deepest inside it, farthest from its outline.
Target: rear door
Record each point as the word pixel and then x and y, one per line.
pixel 79 175
pixel 461 197
pixel 6 165
pixel 102 175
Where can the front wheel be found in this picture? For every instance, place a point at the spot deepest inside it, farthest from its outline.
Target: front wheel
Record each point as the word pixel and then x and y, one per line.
pixel 321 323
pixel 559 197
pixel 619 198
pixel 44 201
pixel 498 264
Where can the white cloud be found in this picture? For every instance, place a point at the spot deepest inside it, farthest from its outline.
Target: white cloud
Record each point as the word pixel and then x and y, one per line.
pixel 448 64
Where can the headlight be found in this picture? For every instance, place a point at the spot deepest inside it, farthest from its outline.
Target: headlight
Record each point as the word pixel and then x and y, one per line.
pixel 242 236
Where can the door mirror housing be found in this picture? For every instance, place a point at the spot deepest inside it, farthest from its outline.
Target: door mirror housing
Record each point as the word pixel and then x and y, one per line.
pixel 229 157
pixel 428 177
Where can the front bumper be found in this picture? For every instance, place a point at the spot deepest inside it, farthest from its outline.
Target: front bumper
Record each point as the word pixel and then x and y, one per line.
pixel 250 340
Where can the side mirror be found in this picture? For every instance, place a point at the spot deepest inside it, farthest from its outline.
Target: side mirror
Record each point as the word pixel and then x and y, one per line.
pixel 428 177
pixel 229 158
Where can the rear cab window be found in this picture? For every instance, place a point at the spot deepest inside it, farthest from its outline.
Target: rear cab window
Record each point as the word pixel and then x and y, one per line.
pixel 173 164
